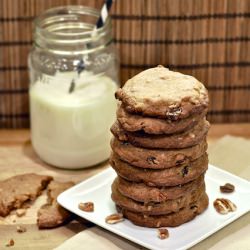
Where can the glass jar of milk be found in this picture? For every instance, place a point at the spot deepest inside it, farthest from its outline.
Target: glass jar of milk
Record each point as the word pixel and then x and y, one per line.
pixel 73 77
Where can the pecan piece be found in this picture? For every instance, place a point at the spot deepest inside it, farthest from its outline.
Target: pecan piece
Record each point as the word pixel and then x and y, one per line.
pixel 174 113
pixel 224 206
pixel 192 135
pixel 227 188
pixel 149 208
pixel 149 205
pixel 163 233
pixel 114 218
pixel 158 222
pixel 86 206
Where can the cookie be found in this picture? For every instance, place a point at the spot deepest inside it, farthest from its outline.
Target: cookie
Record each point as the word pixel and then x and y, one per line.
pixel 52 214
pixel 159 92
pixel 133 122
pixel 153 208
pixel 143 193
pixel 157 158
pixel 181 140
pixel 17 190
pixel 168 220
pixel 162 177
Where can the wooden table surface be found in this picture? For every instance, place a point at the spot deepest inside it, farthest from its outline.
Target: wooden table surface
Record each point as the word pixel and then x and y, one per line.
pixel 17 157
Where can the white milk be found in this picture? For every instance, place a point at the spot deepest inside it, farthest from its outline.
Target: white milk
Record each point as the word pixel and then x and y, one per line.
pixel 72 130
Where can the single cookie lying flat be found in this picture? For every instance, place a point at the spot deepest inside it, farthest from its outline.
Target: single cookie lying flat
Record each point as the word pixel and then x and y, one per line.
pixel 169 220
pixel 153 208
pixel 52 214
pixel 133 122
pixel 159 92
pixel 157 158
pixel 161 177
pixel 17 190
pixel 143 193
pixel 181 140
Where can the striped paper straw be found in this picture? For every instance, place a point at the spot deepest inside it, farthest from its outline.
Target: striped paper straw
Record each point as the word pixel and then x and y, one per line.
pixel 100 22
pixel 104 13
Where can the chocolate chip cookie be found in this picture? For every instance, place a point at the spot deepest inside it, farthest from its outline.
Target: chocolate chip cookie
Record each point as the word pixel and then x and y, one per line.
pixel 157 158
pixel 168 220
pixel 159 92
pixel 160 177
pixel 153 208
pixel 143 193
pixel 133 122
pixel 181 140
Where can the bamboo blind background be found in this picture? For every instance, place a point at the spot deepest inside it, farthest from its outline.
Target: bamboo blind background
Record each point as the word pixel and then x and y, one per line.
pixel 209 39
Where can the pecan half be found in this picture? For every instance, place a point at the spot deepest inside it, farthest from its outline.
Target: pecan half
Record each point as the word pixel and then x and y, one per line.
pixel 227 188
pixel 114 218
pixel 224 206
pixel 86 206
pixel 163 233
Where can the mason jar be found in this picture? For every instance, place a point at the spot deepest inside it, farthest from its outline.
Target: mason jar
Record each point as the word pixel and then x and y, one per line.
pixel 73 70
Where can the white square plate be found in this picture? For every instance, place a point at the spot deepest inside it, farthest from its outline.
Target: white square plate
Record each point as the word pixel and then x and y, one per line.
pixel 98 190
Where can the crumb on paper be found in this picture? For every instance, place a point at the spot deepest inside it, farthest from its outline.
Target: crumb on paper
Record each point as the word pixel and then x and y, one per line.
pixel 20 212
pixel 21 229
pixel 10 243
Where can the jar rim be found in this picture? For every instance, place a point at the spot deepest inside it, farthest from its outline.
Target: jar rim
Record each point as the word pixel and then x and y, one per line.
pixel 65 25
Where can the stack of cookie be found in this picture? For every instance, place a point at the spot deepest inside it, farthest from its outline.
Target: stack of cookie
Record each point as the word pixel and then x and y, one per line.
pixel 159 148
